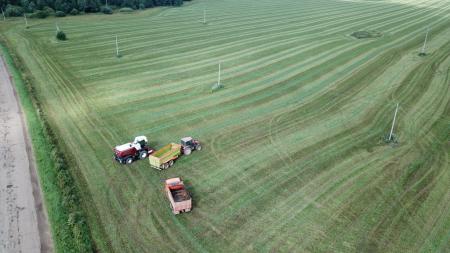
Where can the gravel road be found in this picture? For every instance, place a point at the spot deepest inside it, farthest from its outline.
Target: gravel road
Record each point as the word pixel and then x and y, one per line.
pixel 23 221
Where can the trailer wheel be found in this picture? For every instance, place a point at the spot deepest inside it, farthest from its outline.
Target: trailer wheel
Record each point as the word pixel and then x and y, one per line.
pixel 199 147
pixel 142 154
pixel 170 163
pixel 187 151
pixel 165 166
pixel 129 160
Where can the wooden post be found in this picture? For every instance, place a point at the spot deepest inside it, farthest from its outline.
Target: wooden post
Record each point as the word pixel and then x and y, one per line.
pixel 106 4
pixel 57 27
pixel 393 123
pixel 117 46
pixel 3 13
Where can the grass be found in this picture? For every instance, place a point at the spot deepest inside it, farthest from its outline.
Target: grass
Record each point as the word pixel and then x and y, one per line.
pixel 48 164
pixel 293 158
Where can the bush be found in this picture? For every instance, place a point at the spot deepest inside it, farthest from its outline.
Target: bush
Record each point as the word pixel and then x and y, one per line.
pixel 216 87
pixel 13 11
pixel 39 14
pixel 50 11
pixel 126 10
pixel 74 12
pixel 366 34
pixel 177 2
pixel 60 14
pixel 106 10
pixel 60 35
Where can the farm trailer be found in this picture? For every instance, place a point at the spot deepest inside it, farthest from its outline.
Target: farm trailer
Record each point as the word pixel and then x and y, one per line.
pixel 179 197
pixel 165 157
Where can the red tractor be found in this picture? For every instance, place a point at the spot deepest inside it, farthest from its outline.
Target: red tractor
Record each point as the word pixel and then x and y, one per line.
pixel 188 145
pixel 130 152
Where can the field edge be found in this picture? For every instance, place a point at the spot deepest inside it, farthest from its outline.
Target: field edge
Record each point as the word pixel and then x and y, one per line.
pixel 69 230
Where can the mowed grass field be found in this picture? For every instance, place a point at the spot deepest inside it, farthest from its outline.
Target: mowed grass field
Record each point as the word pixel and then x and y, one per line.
pixel 294 158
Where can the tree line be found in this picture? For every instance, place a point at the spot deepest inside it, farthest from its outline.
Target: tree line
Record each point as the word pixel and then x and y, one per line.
pixel 43 8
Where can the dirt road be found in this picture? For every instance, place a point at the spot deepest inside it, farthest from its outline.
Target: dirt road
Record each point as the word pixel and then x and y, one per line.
pixel 23 221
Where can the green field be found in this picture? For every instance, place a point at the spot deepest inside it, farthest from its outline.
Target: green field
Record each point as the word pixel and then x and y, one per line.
pixel 294 158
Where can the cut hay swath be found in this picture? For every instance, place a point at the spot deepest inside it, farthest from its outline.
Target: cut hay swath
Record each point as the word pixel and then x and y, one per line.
pixel 294 157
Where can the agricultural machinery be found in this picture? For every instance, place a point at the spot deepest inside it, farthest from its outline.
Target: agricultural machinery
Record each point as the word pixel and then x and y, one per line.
pixel 129 152
pixel 179 198
pixel 188 145
pixel 166 156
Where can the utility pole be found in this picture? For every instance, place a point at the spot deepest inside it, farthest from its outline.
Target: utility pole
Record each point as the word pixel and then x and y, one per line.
pixel 204 16
pixel 393 123
pixel 218 79
pixel 26 21
pixel 106 3
pixel 3 13
pixel 422 52
pixel 117 46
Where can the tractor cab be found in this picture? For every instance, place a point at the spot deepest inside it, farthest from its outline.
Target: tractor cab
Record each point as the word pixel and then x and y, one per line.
pixel 187 141
pixel 189 144
pixel 140 142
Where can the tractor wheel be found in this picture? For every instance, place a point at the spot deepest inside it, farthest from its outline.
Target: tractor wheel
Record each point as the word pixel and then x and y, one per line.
pixel 170 163
pixel 129 160
pixel 187 151
pixel 199 147
pixel 142 154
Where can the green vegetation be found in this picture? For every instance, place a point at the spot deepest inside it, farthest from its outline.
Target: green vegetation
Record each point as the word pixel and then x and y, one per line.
pixel 106 10
pixel 13 11
pixel 68 223
pixel 216 87
pixel 74 12
pixel 366 34
pixel 125 10
pixel 60 14
pixel 60 35
pixel 15 8
pixel 293 159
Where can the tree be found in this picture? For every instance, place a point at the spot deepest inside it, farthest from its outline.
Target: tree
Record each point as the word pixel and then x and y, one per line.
pixel 18 7
pixel 31 7
pixel 106 10
pixel 24 4
pixel 92 6
pixel 81 5
pixel 13 11
pixel 41 4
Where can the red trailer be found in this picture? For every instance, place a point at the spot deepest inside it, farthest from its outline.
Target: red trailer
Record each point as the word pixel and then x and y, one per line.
pixel 180 200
